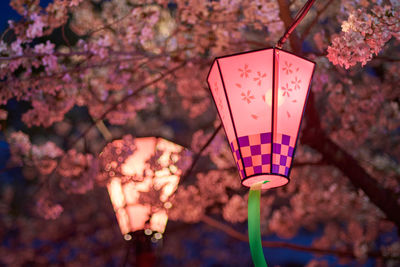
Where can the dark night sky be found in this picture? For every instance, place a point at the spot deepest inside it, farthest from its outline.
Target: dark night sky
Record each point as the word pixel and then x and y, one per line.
pixel 7 13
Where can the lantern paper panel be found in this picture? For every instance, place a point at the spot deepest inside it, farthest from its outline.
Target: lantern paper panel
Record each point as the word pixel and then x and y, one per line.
pixel 131 214
pixel 219 96
pixel 265 95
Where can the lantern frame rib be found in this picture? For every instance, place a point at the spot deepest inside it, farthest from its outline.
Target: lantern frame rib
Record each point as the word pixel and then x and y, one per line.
pixel 231 115
pixel 274 96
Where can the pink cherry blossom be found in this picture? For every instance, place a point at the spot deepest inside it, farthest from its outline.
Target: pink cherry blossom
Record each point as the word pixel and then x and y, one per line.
pixel 36 28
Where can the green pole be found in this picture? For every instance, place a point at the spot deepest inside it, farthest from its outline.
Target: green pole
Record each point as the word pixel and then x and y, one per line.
pixel 254 226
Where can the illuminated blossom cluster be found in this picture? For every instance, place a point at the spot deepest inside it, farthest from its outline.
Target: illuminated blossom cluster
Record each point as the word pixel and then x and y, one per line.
pixel 202 197
pixel 47 209
pixel 77 172
pixel 194 208
pixel 236 209
pixel 40 21
pixel 364 34
pixel 45 157
pixel 20 146
pixel 220 181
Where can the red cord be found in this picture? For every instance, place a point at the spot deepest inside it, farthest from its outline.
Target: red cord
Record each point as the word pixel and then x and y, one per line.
pixel 300 15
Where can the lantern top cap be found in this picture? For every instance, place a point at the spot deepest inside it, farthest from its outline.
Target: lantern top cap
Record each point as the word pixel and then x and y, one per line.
pixel 157 137
pixel 258 50
pixel 263 49
pixel 161 137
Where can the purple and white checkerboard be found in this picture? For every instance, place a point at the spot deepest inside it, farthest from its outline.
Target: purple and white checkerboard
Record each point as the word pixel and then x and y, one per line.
pixel 254 155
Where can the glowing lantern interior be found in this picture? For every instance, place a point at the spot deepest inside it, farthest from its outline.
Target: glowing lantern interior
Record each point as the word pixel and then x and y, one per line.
pixel 131 214
pixel 260 98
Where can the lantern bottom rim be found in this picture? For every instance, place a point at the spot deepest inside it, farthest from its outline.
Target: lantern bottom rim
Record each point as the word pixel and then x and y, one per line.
pixel 271 180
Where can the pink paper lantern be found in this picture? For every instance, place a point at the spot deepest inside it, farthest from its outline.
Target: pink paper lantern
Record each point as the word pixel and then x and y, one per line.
pixel 132 215
pixel 260 97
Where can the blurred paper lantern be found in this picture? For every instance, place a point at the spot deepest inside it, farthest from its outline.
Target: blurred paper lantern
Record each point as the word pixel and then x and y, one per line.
pixel 134 179
pixel 261 96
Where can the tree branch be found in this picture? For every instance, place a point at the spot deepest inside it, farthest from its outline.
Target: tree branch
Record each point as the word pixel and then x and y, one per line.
pixel 278 244
pixel 315 137
pixel 284 14
pixel 386 58
pixel 198 155
pixel 77 69
pixel 126 98
pixel 309 163
pixel 307 30
pixel 73 53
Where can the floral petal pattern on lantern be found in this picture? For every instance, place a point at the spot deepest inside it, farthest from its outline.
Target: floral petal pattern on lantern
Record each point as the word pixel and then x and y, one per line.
pixel 260 97
pixel 139 201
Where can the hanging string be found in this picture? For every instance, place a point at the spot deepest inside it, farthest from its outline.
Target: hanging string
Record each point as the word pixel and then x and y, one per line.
pixel 298 18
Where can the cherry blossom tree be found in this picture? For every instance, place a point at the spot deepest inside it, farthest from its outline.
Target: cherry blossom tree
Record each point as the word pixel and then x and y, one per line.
pixel 87 72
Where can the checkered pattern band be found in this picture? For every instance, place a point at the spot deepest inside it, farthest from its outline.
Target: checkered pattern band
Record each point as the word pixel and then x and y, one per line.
pixel 254 155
